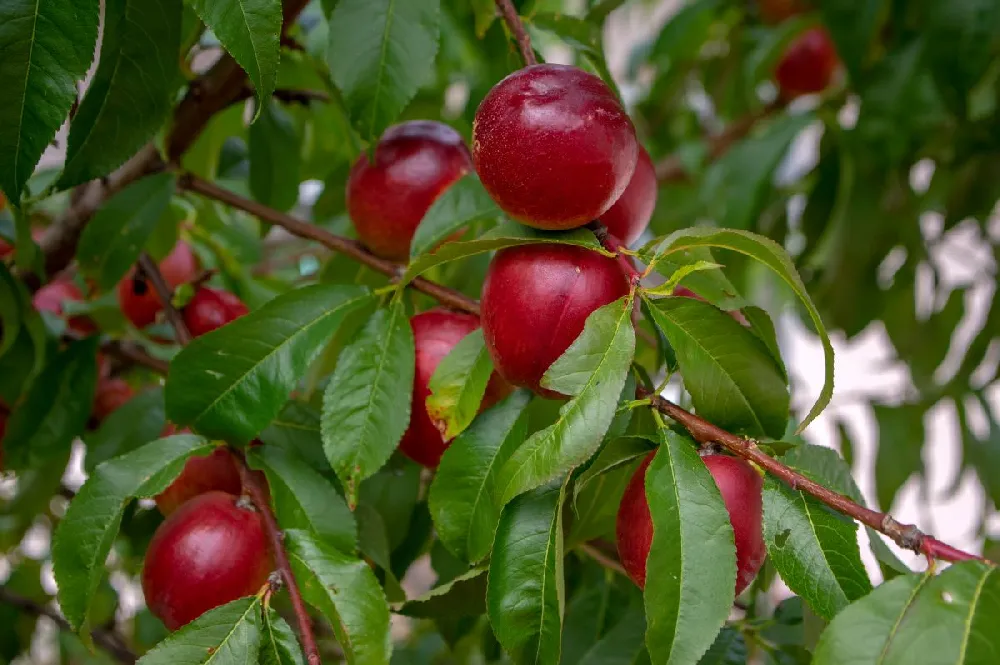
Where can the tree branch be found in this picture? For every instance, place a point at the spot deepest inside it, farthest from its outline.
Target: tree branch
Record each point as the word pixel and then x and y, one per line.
pixel 905 535
pixel 517 29
pixel 105 639
pixel 134 354
pixel 258 495
pixel 150 271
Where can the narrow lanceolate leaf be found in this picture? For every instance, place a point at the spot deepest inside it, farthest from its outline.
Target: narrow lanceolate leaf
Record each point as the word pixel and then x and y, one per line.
pixel 232 382
pixel 622 644
pixel 44 424
pixel 226 635
pixel 614 455
pixel 691 569
pixel 593 370
pixel 111 241
pixel 133 424
pixel 773 256
pixel 47 47
pixel 458 385
pixel 366 407
pixel 303 499
pixel 463 596
pixel 463 498
pixel 525 597
pixel 279 646
pixel 381 52
pixel 130 95
pixel 729 648
pixel 249 30
pixel 85 535
pixel 345 590
pixel 463 203
pixel 729 372
pixel 813 549
pixel 275 158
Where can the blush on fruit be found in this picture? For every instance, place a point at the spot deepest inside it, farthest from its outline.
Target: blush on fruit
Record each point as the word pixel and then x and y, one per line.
pixel 535 302
pixel 387 197
pixel 553 146
pixel 50 298
pixel 137 298
pixel 435 334
pixel 740 486
pixel 210 309
pixel 808 65
pixel 216 471
pixel 630 214
pixel 209 552
pixel 110 395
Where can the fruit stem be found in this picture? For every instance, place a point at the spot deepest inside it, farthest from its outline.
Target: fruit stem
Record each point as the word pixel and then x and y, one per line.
pixel 517 29
pixel 151 271
pixel 253 488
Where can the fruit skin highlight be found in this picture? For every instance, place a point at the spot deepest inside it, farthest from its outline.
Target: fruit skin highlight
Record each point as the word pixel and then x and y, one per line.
pixel 210 309
pixel 741 487
pixel 209 552
pixel 138 299
pixel 535 302
pixel 553 146
pixel 808 65
pixel 435 334
pixel 630 215
pixel 414 163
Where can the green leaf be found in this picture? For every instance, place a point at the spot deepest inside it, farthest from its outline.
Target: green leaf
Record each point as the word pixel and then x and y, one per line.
pixel 463 497
pixel 249 30
pixel 691 566
pixel 684 34
pixel 729 648
pixel 366 406
pixel 135 423
pixel 732 377
pixel 56 408
pixel 774 257
pixel 854 26
pixel 296 429
pixel 226 635
pixel 275 161
pixel 381 52
pixel 622 644
pixel 507 234
pixel 303 499
pixel 458 385
pixel 525 597
pixel 614 455
pixel 464 203
pixel 47 47
pixel 114 237
pixel 900 433
pixel 279 646
pixel 84 536
pixel 762 326
pixel 961 41
pixel 463 596
pixel 345 590
pixel 232 382
pixel 593 370
pixel 667 288
pixel 11 304
pixel 131 93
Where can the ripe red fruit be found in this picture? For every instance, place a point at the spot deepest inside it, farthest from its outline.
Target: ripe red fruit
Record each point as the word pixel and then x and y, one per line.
pixel 535 302
pixel 740 486
pixel 211 551
pixel 553 146
pixel 213 472
pixel 210 309
pixel 386 198
pixel 50 298
pixel 808 65
pixel 776 11
pixel 110 395
pixel 630 214
pixel 435 334
pixel 137 298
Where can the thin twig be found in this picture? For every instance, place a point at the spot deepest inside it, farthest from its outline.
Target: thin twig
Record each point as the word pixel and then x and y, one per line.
pixel 105 639
pixel 258 496
pixel 602 558
pixel 517 29
pixel 288 95
pixel 151 272
pixel 134 354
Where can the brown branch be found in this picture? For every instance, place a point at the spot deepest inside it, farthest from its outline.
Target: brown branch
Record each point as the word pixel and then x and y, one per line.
pixel 134 354
pixel 105 639
pixel 517 29
pixel 151 272
pixel 288 95
pixel 259 497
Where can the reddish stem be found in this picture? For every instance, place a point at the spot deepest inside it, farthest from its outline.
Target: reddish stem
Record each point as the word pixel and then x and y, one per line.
pixel 517 29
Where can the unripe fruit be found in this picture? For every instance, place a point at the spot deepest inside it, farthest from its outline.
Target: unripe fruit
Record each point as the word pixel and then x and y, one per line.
pixel 535 302
pixel 216 471
pixel 211 551
pixel 553 146
pixel 808 65
pixel 776 11
pixel 435 334
pixel 210 309
pixel 386 198
pixel 138 299
pixel 110 395
pixel 50 298
pixel 740 486
pixel 630 214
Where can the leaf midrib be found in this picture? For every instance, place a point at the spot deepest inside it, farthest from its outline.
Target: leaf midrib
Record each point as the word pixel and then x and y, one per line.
pixel 24 96
pixel 383 53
